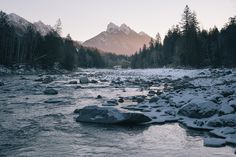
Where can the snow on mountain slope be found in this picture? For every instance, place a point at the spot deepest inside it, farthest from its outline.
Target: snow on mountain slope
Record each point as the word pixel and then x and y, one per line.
pixel 42 28
pixel 21 25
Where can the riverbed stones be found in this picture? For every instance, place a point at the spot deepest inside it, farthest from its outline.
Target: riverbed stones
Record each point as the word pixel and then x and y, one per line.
pixel 199 110
pixel 109 115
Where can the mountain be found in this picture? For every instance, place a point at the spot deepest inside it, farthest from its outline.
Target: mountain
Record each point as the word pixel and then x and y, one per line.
pixel 119 39
pixel 22 24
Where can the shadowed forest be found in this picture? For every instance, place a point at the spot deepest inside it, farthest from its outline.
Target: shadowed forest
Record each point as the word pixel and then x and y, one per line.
pixel 185 45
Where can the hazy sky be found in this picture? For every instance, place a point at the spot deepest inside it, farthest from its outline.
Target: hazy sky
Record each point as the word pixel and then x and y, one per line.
pixel 84 19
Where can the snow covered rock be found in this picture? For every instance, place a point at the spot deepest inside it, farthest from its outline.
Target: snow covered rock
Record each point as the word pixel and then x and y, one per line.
pixel 223 131
pixel 227 92
pixel 223 121
pixel 154 99
pixel 109 115
pixel 226 109
pixel 202 109
pixel 231 139
pixel 216 98
pixel 214 142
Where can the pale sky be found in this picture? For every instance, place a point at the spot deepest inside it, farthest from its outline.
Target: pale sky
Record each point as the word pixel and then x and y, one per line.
pixel 84 19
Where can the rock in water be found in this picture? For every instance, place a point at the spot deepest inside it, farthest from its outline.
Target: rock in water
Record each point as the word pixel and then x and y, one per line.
pixel 153 99
pixel 199 110
pixel 109 115
pixel 223 121
pixel 1 84
pixel 50 91
pixel 227 92
pixel 84 80
pixel 214 142
pixel 73 82
pixel 47 80
pixel 99 97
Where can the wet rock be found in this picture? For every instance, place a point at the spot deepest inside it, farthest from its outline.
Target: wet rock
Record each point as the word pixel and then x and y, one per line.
pixel 198 123
pixel 47 80
pixel 232 103
pixel 227 92
pixel 73 82
pixel 138 99
pixel 121 100
pixel 50 91
pixel 132 108
pixel 223 121
pixel 109 104
pixel 151 93
pixel 53 100
pixel 38 80
pixel 199 109
pixel 84 80
pixel 93 81
pixel 228 72
pixel 223 131
pixel 99 97
pixel 216 98
pixel 226 109
pixel 112 101
pixel 214 142
pixel 170 112
pixel 109 115
pixel 154 99
pixel 103 80
pixel 231 139
pixel 1 84
pixel 78 87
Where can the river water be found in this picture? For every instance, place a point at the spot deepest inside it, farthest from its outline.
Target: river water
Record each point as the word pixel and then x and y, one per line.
pixel 31 127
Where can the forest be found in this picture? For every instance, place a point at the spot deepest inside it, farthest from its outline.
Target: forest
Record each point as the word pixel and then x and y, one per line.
pixel 185 45
pixel 32 49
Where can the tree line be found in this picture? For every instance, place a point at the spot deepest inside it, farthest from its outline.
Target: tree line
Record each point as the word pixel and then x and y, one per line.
pixel 189 46
pixel 29 47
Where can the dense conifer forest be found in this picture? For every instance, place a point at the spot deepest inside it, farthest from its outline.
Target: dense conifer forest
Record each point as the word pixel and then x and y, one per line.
pixel 185 45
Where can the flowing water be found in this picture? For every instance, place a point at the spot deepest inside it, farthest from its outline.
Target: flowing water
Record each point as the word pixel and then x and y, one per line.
pixel 31 127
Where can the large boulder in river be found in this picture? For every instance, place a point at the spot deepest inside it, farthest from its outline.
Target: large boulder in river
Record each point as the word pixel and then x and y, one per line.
pixel 202 109
pixel 109 115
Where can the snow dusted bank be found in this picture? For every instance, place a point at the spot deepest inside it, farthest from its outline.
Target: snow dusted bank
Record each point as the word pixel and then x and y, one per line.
pixel 198 99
